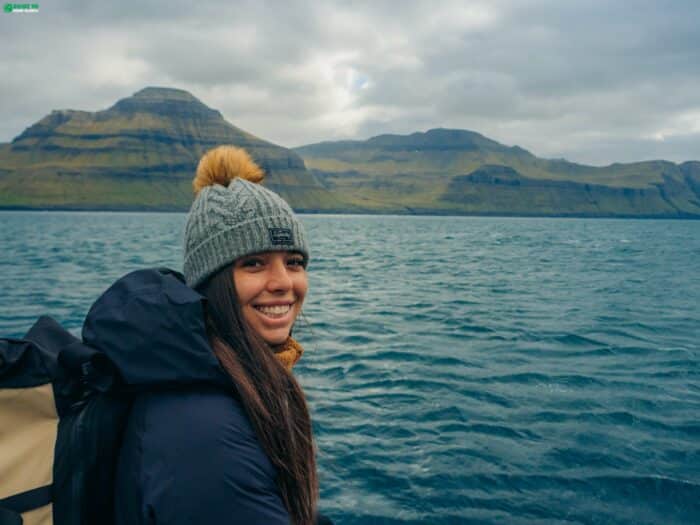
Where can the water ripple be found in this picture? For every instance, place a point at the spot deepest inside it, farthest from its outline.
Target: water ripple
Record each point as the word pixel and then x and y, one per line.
pixel 458 370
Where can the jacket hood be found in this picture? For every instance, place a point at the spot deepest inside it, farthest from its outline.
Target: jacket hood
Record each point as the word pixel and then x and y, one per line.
pixel 151 326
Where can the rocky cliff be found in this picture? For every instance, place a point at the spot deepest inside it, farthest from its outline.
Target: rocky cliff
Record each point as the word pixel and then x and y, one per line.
pixel 141 153
pixel 463 172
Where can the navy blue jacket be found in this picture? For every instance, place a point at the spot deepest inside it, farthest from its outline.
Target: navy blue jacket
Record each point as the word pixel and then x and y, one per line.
pixel 189 453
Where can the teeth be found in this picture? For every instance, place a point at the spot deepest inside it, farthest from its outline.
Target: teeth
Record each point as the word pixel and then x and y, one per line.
pixel 274 310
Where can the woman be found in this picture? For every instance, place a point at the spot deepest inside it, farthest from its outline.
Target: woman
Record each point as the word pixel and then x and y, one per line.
pixel 201 453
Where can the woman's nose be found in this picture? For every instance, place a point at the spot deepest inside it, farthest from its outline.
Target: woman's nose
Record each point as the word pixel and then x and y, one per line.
pixel 279 278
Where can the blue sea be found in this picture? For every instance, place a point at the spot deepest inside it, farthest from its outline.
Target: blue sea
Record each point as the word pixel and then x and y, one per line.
pixel 460 370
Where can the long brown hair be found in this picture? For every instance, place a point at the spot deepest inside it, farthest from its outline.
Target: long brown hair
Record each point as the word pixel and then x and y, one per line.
pixel 270 395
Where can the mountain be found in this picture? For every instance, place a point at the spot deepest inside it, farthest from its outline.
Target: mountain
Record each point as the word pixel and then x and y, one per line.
pixel 463 172
pixel 139 154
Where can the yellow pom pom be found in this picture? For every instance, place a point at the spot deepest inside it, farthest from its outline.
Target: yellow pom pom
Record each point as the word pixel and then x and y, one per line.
pixel 223 164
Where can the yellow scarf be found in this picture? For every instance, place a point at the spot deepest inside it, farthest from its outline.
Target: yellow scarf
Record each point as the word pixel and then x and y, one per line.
pixel 288 353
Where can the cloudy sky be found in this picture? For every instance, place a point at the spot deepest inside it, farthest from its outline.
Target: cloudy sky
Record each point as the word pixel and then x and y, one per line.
pixel 591 81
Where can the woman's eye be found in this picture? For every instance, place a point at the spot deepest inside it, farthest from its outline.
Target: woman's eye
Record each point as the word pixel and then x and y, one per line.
pixel 296 261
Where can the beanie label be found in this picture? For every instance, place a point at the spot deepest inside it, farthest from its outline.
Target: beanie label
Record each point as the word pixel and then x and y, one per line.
pixel 281 236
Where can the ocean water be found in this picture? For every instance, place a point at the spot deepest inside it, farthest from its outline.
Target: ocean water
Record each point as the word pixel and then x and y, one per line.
pixel 459 369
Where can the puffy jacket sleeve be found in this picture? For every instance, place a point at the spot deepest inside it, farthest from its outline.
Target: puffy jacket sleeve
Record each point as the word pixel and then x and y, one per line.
pixel 193 457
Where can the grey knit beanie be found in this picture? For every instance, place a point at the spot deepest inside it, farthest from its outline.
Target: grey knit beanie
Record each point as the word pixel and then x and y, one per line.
pixel 229 221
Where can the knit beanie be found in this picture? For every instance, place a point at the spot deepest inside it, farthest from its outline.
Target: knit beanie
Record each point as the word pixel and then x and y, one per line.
pixel 233 216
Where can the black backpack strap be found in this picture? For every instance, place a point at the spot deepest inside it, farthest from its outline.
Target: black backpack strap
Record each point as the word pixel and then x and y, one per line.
pixel 9 517
pixel 86 458
pixel 12 506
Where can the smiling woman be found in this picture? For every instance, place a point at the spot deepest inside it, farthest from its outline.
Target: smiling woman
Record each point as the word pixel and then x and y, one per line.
pixel 244 453
pixel 271 288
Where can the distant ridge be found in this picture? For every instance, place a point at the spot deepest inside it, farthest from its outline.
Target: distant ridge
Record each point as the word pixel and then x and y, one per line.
pixel 462 172
pixel 434 139
pixel 141 153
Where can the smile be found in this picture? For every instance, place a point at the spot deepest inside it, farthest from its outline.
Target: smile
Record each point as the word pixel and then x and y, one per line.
pixel 276 311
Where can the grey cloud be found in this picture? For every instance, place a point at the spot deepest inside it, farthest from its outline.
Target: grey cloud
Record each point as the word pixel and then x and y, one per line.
pixel 589 80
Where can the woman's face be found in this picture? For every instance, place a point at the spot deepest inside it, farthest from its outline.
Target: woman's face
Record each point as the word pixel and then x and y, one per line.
pixel 271 288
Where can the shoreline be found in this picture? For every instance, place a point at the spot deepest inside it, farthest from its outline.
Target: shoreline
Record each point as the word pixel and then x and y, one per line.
pixel 413 213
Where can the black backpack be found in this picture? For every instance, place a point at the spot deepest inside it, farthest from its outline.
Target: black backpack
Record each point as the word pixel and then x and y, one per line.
pixel 62 418
pixel 64 404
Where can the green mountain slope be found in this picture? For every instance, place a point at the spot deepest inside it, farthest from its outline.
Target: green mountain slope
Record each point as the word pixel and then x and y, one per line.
pixel 142 153
pixel 459 171
pixel 139 154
